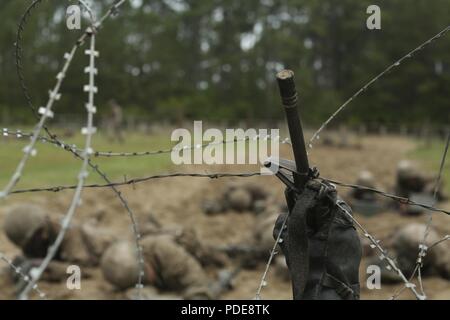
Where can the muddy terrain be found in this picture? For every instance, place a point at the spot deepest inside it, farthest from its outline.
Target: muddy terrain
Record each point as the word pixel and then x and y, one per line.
pixel 178 201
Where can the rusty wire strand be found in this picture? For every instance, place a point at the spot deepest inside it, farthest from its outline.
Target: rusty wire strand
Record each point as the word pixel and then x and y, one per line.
pixel 131 182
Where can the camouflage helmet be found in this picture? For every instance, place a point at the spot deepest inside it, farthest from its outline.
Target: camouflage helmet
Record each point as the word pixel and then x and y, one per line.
pixel 22 221
pixel 405 168
pixel 120 265
pixel 413 234
pixel 406 242
pixel 239 199
pixel 366 179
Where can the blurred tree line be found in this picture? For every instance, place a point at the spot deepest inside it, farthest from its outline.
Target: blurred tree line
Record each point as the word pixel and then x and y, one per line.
pixel 217 59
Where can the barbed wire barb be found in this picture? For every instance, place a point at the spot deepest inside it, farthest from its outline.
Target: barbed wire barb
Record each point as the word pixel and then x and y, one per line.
pixel 24 277
pixel 53 138
pixel 88 131
pixel 392 266
pixel 19 134
pixel 273 253
pixel 423 248
pixel 87 152
pixel 46 113
pixel 396 198
pixel 135 181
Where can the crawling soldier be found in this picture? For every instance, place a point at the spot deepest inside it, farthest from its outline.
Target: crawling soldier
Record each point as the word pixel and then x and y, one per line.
pixel 32 231
pixel 167 267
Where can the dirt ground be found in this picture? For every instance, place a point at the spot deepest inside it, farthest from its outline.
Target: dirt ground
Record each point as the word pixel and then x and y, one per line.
pixel 178 201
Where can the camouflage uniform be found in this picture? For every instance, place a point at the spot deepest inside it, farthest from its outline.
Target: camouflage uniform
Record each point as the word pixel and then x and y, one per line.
pixel 256 250
pixel 205 254
pixel 187 238
pixel 168 267
pixel 405 243
pixel 403 248
pixel 237 197
pixel 29 228
pixel 409 180
pixel 417 187
pixel 367 180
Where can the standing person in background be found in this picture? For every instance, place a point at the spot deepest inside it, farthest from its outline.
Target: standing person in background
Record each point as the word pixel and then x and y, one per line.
pixel 114 122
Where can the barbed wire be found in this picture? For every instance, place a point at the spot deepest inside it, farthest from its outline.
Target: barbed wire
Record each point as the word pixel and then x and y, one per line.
pixel 26 278
pixel 444 239
pixel 46 113
pixel 134 227
pixel 226 175
pixel 85 153
pixel 18 54
pixel 273 253
pixel 375 244
pixel 88 131
pixel 423 248
pixel 399 199
pixel 89 10
pixel 135 181
pixel 396 64
pixel 19 134
pixel 53 138
pixel 432 246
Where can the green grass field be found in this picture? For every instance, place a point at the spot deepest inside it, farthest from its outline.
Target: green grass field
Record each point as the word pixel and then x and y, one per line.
pixel 55 166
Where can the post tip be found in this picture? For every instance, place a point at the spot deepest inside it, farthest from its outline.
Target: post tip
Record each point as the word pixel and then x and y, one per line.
pixel 286 83
pixel 285 74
